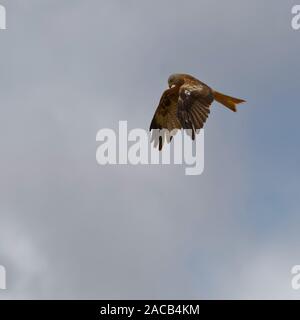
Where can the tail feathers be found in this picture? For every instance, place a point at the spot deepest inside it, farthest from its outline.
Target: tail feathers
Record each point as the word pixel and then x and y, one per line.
pixel 227 101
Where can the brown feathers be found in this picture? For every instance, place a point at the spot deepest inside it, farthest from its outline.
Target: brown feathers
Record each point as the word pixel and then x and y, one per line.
pixel 185 105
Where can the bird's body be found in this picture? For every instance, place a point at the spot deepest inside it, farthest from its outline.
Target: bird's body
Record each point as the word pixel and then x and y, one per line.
pixel 186 105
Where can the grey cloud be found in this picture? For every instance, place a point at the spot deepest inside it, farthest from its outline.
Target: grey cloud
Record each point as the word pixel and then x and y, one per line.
pixel 73 67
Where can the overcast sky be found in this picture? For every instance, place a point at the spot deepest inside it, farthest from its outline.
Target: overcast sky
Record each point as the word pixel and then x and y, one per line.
pixel 70 228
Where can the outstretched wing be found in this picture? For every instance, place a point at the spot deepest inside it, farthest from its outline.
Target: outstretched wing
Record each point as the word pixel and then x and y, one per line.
pixel 165 118
pixel 193 106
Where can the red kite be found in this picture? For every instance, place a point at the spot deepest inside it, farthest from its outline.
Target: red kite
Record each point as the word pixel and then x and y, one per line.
pixel 185 105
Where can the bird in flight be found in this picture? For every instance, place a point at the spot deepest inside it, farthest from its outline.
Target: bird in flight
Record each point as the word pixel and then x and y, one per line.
pixel 185 105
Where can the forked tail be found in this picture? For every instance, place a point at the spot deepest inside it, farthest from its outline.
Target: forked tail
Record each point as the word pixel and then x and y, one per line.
pixel 227 101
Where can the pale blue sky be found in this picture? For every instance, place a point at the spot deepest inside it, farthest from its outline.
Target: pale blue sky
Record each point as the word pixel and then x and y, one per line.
pixel 72 229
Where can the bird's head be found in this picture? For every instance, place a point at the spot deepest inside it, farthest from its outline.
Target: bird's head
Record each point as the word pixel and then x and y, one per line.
pixel 176 80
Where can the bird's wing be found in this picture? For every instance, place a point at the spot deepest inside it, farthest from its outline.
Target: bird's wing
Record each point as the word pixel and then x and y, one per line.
pixel 165 117
pixel 193 106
